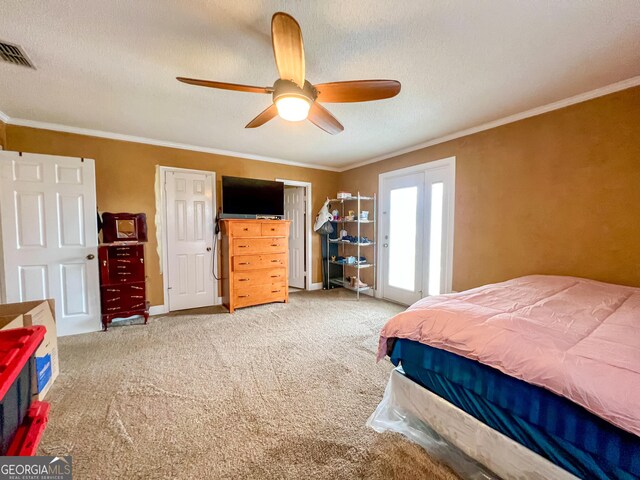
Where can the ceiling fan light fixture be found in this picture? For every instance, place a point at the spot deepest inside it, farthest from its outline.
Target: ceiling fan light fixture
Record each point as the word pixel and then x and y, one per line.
pixel 293 108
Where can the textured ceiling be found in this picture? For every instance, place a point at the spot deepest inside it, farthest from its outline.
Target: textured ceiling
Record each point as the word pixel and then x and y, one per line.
pixel 111 66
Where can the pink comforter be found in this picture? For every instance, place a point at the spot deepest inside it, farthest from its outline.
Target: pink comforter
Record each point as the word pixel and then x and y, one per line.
pixel 578 338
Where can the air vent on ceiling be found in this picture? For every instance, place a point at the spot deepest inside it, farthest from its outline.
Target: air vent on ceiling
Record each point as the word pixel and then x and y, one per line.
pixel 14 54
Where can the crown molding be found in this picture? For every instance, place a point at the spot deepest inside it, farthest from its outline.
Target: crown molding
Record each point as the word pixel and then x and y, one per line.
pixel 151 141
pixel 582 97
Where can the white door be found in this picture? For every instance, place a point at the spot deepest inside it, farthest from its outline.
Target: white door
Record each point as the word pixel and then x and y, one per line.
pixel 50 236
pixel 402 230
pixel 189 204
pixel 294 210
pixel 417 231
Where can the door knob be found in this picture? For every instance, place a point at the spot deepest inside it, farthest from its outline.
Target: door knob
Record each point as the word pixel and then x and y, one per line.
pixel 208 249
pixel 91 256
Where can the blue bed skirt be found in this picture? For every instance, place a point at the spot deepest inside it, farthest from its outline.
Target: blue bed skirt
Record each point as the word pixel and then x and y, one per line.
pixel 548 424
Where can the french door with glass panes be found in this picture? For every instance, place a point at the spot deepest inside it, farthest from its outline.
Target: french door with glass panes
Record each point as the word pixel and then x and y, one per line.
pixel 417 231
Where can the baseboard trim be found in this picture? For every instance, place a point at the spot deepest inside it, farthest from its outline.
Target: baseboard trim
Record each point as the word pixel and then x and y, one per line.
pixel 158 310
pixel 163 309
pixel 316 286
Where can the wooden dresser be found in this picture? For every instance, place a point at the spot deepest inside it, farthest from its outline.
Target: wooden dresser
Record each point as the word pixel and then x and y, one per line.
pixel 255 262
pixel 122 281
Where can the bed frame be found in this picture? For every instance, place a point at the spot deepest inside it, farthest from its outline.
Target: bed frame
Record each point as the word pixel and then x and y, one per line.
pixel 407 407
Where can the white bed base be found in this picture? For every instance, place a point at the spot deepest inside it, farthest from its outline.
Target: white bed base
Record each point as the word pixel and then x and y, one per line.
pixel 439 426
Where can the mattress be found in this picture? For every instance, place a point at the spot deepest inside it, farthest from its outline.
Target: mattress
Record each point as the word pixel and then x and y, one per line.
pixel 556 428
pixel 578 338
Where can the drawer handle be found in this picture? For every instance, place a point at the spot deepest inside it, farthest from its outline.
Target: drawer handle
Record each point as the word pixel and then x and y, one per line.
pixel 243 246
pixel 275 261
pixel 137 296
pixel 114 308
pixel 134 287
pixel 245 229
pixel 243 279
pixel 275 276
pixel 113 299
pixel 243 296
pixel 114 289
pixel 104 263
pixel 244 263
pixel 275 291
pixel 273 229
pixel 275 245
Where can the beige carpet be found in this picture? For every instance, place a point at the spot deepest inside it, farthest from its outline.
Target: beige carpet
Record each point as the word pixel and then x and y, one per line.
pixel 277 391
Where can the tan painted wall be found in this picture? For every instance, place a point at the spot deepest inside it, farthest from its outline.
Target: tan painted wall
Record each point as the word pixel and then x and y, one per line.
pixel 125 178
pixel 3 128
pixel 557 194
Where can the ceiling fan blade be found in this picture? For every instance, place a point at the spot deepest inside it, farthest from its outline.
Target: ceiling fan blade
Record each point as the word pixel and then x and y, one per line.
pixel 264 117
pixel 288 49
pixel 225 86
pixel 357 90
pixel 322 118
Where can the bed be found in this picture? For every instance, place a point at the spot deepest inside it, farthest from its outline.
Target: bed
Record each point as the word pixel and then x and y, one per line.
pixel 549 362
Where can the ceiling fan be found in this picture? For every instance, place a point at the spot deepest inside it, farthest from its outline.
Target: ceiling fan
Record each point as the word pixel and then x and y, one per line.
pixel 294 98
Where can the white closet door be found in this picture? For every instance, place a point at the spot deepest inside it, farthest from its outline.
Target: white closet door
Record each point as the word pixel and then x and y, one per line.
pixel 189 198
pixel 50 237
pixel 294 209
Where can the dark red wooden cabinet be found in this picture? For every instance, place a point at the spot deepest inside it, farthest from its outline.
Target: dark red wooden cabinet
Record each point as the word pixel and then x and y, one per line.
pixel 122 281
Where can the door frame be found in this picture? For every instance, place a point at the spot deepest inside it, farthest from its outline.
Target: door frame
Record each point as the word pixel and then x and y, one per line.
pixel 164 239
pixel 450 164
pixel 308 230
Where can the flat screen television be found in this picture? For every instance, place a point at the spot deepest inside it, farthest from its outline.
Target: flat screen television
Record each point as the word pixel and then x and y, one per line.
pixel 251 198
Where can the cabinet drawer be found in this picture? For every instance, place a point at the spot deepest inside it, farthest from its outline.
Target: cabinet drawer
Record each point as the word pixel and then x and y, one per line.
pixel 245 229
pixel 275 229
pixel 243 246
pixel 127 270
pixel 259 277
pixel 252 262
pixel 258 294
pixel 118 298
pixel 126 251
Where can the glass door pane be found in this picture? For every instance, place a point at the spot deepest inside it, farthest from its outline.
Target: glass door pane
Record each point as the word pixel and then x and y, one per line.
pixel 403 208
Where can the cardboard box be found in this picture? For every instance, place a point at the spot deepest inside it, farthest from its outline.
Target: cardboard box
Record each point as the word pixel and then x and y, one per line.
pixel 11 321
pixel 27 314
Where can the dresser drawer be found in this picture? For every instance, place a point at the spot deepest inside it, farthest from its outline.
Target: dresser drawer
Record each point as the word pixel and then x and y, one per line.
pixel 119 298
pixel 127 270
pixel 126 251
pixel 254 295
pixel 244 246
pixel 252 262
pixel 275 229
pixel 265 276
pixel 245 229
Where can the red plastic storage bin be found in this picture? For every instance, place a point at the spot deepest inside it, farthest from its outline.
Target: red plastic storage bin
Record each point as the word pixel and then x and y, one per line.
pixel 25 443
pixel 17 364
